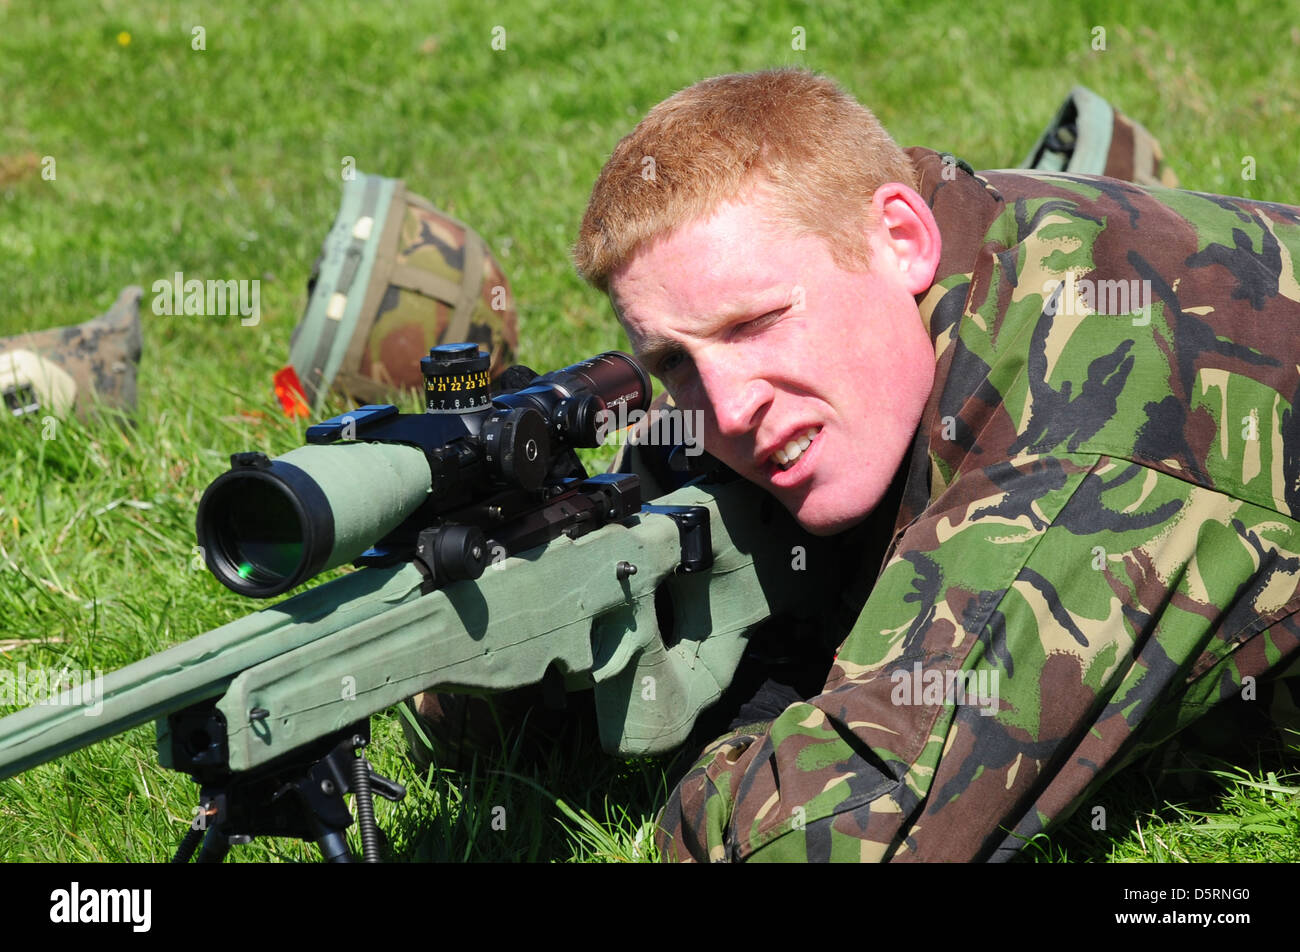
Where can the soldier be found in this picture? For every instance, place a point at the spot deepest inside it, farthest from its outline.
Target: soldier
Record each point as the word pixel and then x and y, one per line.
pixel 1069 397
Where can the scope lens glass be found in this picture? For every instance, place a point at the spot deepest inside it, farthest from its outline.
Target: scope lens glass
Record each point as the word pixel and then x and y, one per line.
pixel 260 532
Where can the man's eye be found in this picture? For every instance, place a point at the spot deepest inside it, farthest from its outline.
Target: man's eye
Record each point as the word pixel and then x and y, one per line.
pixel 759 323
pixel 668 363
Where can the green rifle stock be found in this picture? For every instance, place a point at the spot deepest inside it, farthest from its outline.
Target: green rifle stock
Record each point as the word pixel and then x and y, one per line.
pixel 359 644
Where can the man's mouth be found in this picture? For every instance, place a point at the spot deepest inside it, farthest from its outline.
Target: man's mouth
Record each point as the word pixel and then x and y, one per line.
pixel 789 454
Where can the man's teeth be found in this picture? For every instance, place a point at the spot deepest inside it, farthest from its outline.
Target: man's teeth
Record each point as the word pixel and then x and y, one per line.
pixel 786 457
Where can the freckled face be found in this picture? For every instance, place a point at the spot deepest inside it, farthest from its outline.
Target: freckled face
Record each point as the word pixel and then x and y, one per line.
pixel 812 379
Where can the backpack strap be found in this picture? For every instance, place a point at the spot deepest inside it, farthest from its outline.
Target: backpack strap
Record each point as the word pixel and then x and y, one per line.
pixel 385 266
pixel 1078 139
pixel 330 325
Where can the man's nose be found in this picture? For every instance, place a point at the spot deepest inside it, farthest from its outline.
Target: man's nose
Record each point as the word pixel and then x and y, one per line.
pixel 736 394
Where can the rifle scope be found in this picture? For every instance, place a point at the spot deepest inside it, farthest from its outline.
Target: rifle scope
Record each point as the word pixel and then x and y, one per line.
pixel 267 525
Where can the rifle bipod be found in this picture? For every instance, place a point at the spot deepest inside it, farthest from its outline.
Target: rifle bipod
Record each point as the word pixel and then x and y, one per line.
pixel 299 795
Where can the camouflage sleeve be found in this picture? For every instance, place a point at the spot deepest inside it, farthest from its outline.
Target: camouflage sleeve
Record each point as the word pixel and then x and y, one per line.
pixel 1042 622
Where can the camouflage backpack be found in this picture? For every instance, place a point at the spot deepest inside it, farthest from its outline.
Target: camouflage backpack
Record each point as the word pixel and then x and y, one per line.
pixel 395 277
pixel 1089 136
pixel 76 368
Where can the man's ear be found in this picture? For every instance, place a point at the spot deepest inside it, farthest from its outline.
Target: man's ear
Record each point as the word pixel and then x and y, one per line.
pixel 908 233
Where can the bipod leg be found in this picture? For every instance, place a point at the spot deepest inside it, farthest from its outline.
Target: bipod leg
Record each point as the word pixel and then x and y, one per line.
pixel 185 852
pixel 334 847
pixel 215 845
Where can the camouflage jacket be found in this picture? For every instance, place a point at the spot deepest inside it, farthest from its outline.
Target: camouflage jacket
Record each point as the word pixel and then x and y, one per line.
pixel 1097 542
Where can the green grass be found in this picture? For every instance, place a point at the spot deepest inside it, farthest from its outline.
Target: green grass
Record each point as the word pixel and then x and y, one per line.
pixel 225 163
pixel 1182 805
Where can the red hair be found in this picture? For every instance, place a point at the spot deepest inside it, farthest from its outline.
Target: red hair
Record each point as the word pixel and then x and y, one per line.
pixel 811 146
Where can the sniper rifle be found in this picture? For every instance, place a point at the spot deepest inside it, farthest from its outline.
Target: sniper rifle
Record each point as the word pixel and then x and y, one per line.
pixel 488 560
